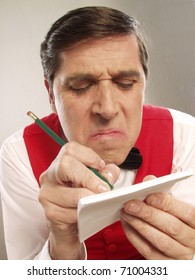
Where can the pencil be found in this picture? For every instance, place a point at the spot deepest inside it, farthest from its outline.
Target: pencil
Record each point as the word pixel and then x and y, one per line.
pixel 50 132
pixel 61 142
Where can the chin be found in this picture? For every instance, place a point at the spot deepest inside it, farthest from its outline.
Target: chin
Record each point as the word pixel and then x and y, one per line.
pixel 112 157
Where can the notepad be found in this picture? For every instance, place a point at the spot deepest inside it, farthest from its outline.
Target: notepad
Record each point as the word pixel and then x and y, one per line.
pixel 95 212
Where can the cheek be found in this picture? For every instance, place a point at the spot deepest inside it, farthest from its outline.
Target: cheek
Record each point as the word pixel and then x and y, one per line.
pixel 134 119
pixel 70 119
pixel 70 124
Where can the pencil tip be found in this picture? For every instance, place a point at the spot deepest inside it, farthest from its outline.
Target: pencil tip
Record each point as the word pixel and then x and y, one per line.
pixel 32 115
pixel 29 113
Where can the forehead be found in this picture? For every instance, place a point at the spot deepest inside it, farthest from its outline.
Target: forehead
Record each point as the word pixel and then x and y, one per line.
pixel 98 57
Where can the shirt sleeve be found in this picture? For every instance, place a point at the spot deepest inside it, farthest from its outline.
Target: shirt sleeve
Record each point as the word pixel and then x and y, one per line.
pixel 25 225
pixel 184 155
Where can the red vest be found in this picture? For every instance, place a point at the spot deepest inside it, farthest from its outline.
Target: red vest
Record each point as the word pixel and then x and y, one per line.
pixel 155 143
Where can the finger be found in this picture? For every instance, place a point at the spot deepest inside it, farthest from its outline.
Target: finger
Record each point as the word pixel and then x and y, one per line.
pixel 165 222
pixel 60 216
pixel 68 169
pixel 111 172
pixel 148 178
pixel 164 243
pixel 146 249
pixel 62 196
pixel 168 203
pixel 84 154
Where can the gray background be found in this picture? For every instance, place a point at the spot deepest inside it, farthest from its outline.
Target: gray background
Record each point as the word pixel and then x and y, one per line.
pixel 170 34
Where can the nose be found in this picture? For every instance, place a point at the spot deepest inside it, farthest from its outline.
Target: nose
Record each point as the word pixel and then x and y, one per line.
pixel 105 104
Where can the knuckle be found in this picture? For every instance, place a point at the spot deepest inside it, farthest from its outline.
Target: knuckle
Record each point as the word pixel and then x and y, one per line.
pixel 142 227
pixel 70 148
pixel 65 163
pixel 84 154
pixel 149 214
pixel 90 150
pixel 88 179
pixel 62 227
pixel 174 228
pixel 93 159
pixel 42 196
pixel 42 178
pixel 167 202
pixel 165 244
pixel 50 214
pixel 76 196
pixel 61 170
pixel 191 215
pixel 91 181
pixel 146 251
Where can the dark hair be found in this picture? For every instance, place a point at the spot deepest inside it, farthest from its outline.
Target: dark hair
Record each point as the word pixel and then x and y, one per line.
pixel 83 24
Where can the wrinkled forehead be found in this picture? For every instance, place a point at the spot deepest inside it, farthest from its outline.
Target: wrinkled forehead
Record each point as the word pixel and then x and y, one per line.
pixel 106 43
pixel 111 53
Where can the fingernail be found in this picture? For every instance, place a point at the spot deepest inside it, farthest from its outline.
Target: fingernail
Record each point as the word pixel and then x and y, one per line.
pixel 102 164
pixel 133 207
pixel 102 188
pixel 155 201
pixel 108 174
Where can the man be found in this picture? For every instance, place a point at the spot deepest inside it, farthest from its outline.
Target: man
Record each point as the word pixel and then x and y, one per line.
pixel 95 69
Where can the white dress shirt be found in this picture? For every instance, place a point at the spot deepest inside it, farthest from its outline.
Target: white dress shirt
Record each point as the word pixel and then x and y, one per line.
pixel 25 226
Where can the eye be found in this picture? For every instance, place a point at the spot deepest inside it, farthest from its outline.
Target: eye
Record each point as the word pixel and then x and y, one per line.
pixel 80 86
pixel 124 84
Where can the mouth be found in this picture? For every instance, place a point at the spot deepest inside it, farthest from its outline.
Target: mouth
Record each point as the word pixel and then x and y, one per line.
pixel 109 134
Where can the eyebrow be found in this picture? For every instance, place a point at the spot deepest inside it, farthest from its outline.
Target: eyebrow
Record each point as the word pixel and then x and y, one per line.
pixel 88 76
pixel 128 73
pixel 79 77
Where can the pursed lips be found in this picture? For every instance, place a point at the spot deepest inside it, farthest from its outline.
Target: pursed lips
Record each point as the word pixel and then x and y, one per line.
pixel 108 133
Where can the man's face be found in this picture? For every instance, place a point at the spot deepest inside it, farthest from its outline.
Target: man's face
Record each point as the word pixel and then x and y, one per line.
pixel 98 95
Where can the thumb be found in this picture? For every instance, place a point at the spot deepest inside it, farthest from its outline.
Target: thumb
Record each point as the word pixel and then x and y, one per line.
pixel 111 173
pixel 148 178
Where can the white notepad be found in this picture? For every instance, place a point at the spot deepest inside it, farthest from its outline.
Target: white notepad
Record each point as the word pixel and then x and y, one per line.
pixel 100 210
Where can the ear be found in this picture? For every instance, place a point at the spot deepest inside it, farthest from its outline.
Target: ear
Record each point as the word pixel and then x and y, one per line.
pixel 51 95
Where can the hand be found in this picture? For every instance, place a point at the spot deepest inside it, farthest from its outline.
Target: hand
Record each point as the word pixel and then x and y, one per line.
pixel 160 227
pixel 62 185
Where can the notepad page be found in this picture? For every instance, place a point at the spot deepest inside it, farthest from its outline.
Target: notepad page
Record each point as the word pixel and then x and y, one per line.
pixel 97 211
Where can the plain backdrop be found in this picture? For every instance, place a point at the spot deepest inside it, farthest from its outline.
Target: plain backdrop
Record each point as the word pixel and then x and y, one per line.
pixel 169 27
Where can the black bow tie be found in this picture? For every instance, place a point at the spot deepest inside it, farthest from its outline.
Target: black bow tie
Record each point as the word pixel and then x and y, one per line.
pixel 133 160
